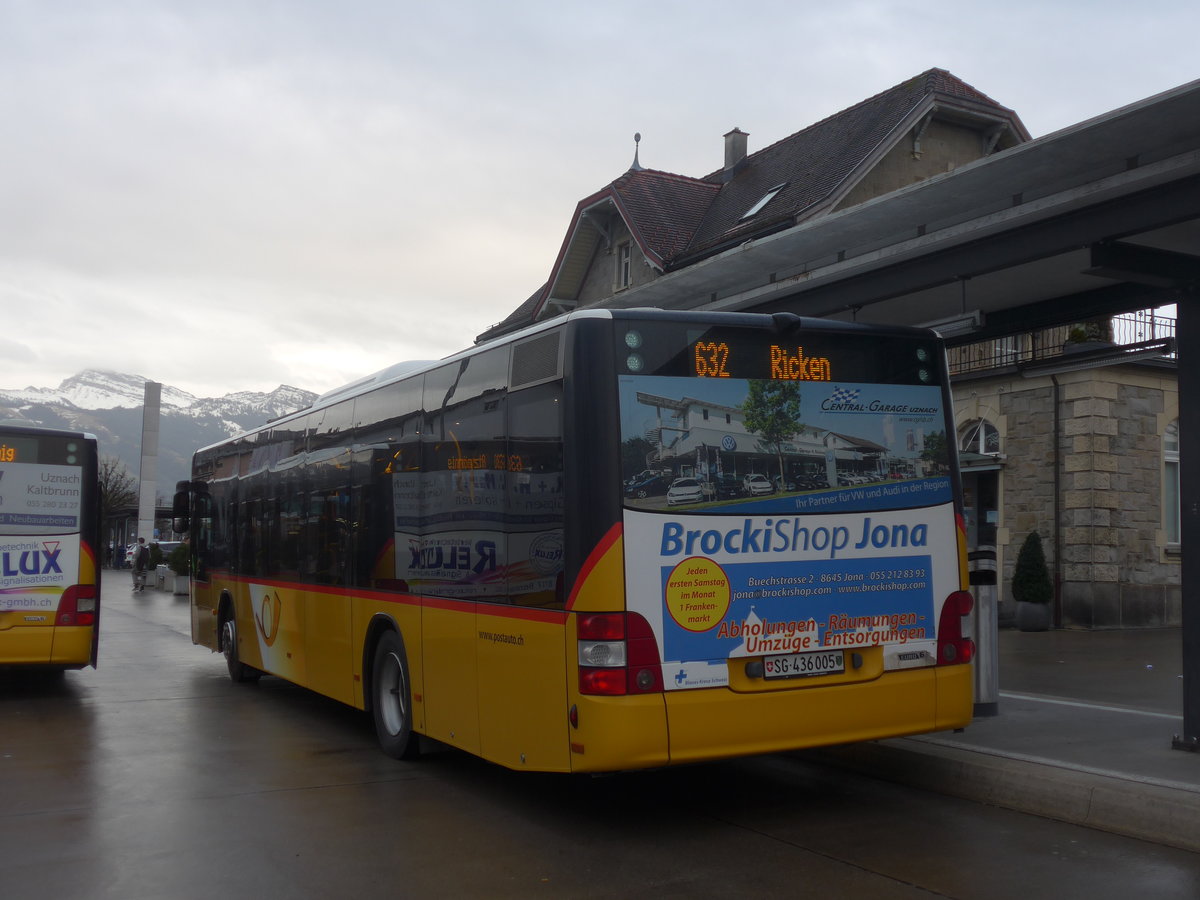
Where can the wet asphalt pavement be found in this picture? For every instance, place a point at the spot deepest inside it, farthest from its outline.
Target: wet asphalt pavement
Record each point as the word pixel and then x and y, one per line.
pixel 153 776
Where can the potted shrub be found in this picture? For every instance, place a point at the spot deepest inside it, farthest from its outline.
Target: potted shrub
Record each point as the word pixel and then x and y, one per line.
pixel 1031 586
pixel 1093 334
pixel 180 562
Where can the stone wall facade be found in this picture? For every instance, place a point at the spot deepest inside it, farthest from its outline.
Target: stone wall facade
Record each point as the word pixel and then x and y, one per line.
pixel 1107 548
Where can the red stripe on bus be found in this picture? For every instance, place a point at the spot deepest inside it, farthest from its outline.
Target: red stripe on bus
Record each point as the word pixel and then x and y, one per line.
pixel 598 553
pixel 480 607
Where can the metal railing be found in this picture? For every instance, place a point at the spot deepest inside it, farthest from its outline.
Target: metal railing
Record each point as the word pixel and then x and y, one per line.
pixel 1044 345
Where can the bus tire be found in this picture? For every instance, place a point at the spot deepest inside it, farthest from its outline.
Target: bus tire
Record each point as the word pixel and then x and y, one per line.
pixel 391 698
pixel 238 670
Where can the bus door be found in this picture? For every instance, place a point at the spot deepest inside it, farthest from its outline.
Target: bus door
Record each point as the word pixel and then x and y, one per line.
pixel 205 513
pixel 327 612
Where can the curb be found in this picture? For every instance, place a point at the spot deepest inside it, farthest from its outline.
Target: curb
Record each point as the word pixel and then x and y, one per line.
pixel 1163 813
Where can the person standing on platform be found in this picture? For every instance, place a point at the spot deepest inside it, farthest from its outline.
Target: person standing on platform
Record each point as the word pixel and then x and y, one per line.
pixel 141 561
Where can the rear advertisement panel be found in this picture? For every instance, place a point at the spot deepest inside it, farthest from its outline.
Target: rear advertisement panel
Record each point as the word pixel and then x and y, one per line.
pixel 751 586
pixel 40 499
pixel 39 535
pixel 34 572
pixel 789 516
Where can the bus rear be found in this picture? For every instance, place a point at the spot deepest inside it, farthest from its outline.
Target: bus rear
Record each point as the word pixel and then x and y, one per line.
pixel 789 548
pixel 49 574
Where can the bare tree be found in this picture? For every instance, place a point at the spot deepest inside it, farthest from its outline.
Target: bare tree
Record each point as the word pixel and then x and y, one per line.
pixel 117 487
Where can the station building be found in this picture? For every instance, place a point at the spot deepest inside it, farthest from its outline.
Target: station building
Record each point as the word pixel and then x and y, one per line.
pixel 1066 396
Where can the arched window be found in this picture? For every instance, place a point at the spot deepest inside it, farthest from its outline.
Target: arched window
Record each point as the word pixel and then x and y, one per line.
pixel 979 436
pixel 1171 482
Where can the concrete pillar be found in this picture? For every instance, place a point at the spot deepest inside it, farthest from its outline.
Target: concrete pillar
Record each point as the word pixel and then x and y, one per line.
pixel 148 472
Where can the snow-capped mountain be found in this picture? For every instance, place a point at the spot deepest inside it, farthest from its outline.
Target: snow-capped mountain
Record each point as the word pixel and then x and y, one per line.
pixel 98 389
pixel 109 405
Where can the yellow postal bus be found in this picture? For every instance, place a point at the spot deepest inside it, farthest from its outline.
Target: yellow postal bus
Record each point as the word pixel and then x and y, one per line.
pixel 622 539
pixel 49 527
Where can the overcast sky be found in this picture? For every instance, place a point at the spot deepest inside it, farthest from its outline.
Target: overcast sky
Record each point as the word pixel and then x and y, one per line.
pixel 228 196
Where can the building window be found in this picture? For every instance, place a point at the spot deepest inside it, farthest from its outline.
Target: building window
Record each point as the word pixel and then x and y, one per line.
pixel 1171 482
pixel 979 436
pixel 624 265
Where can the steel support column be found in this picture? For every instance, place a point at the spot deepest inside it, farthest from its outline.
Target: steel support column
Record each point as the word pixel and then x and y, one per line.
pixel 1187 330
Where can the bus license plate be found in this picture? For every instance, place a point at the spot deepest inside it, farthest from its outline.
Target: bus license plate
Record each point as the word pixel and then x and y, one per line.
pixel 804 665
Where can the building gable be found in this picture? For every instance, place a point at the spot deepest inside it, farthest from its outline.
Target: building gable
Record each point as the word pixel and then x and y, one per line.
pixel 647 223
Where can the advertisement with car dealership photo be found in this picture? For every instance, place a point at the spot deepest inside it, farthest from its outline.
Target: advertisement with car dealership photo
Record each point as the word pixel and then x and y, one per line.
pixel 732 444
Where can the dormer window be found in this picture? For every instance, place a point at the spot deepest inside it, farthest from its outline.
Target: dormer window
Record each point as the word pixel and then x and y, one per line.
pixel 766 198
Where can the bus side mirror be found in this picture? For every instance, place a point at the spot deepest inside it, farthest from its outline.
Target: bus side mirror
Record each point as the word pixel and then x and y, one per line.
pixel 180 508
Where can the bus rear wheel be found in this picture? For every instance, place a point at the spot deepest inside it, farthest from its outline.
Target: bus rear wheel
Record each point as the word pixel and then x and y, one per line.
pixel 238 670
pixel 391 698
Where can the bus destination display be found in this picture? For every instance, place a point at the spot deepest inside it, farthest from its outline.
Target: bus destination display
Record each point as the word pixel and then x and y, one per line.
pixel 806 355
pixel 711 359
pixel 16 449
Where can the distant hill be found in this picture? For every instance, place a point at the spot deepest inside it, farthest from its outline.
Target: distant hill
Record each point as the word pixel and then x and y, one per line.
pixel 109 405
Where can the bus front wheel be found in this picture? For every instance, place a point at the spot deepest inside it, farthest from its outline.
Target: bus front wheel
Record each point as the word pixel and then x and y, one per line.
pixel 238 670
pixel 392 698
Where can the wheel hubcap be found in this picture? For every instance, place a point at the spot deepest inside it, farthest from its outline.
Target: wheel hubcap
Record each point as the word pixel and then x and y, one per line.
pixel 229 640
pixel 392 694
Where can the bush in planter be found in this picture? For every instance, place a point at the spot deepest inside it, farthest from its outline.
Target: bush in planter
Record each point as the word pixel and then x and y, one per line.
pixel 180 560
pixel 1031 586
pixel 1093 331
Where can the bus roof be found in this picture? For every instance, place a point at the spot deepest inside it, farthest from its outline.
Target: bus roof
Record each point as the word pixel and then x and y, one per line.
pixel 401 370
pixel 37 428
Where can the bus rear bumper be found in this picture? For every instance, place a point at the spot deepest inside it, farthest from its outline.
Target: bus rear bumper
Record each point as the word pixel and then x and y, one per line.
pixel 72 646
pixel 713 723
pixel 41 645
pixel 689 726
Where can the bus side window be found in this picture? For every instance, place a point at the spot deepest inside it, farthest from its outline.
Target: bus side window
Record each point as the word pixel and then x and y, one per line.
pixel 386 481
pixel 534 499
pixel 462 542
pixel 327 535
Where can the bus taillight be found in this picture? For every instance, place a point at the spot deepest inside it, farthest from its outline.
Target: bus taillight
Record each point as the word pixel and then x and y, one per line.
pixel 618 654
pixel 77 605
pixel 953 648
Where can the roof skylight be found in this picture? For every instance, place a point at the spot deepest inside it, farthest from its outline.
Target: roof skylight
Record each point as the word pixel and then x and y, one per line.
pixel 766 198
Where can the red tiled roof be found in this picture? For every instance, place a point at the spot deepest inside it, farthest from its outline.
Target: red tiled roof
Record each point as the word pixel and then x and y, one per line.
pixel 814 163
pixel 678 220
pixel 662 209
